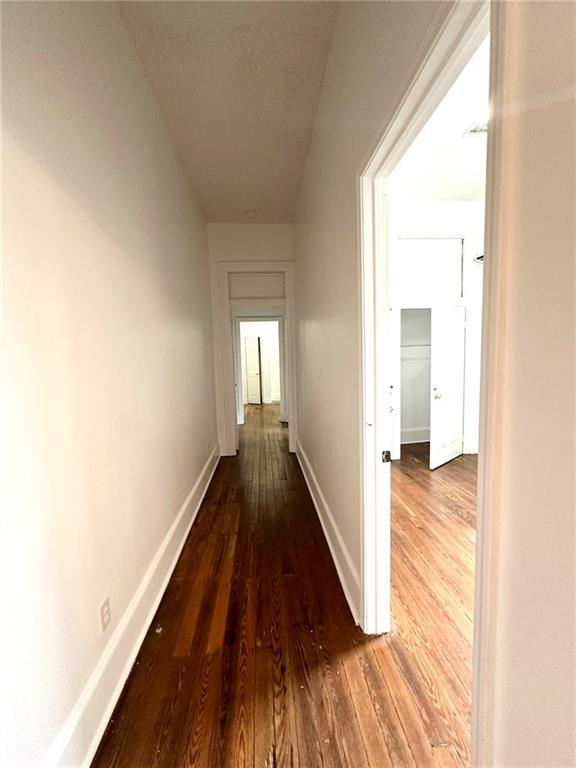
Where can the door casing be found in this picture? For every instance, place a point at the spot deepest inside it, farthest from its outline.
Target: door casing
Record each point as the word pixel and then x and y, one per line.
pixel 454 38
pixel 447 50
pixel 447 363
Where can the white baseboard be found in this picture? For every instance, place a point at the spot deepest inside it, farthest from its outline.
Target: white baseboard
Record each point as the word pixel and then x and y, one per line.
pixel 415 435
pixel 347 571
pixel 77 742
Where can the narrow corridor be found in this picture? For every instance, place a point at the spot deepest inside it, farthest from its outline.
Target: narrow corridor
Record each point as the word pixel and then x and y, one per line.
pixel 253 658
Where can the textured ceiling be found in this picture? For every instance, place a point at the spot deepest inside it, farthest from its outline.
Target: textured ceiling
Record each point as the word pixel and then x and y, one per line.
pixel 238 83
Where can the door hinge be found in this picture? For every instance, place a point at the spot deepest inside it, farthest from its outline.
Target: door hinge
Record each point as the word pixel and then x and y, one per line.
pixel 386 456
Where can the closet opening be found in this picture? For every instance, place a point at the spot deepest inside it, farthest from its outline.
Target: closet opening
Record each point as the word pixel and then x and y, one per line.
pixel 415 331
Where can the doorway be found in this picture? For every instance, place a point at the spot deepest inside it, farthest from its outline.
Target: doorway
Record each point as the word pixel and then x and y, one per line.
pixel 429 392
pixel 423 200
pixel 422 256
pixel 261 370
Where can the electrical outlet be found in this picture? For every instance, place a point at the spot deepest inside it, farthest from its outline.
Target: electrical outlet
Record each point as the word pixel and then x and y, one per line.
pixel 105 614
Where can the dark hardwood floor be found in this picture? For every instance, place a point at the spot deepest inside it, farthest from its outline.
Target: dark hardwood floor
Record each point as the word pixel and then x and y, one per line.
pixel 253 658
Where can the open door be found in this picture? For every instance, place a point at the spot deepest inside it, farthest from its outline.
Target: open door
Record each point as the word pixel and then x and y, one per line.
pixel 447 384
pixel 395 379
pixel 252 346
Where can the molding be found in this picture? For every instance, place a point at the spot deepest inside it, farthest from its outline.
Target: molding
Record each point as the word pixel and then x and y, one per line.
pixel 79 737
pixel 490 466
pixel 416 352
pixel 415 435
pixel 347 572
pixel 238 305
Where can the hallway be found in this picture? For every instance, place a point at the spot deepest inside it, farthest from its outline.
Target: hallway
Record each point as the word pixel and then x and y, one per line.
pixel 172 170
pixel 253 658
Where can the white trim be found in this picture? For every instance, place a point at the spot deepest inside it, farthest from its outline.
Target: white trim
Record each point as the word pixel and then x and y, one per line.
pixel 238 372
pixel 283 378
pixel 224 347
pixel 89 717
pixel 454 36
pixel 259 302
pixel 349 576
pixel 491 419
pixel 410 435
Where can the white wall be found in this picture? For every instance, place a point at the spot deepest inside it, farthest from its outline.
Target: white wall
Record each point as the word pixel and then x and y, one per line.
pixel 250 242
pixel 256 285
pixel 370 60
pixel 526 645
pixel 109 408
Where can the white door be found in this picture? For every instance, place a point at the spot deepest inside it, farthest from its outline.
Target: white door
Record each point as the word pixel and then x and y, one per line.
pixel 395 381
pixel 447 384
pixel 252 369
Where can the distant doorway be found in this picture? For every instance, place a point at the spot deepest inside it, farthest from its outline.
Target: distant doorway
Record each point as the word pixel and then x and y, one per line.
pixel 246 291
pixel 259 364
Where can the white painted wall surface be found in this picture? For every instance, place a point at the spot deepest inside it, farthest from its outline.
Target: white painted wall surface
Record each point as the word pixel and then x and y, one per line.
pixel 424 271
pixel 526 647
pixel 250 242
pixel 109 405
pixel 370 61
pixel 256 285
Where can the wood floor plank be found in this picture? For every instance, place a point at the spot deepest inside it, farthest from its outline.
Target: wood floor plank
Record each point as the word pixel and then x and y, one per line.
pixel 253 659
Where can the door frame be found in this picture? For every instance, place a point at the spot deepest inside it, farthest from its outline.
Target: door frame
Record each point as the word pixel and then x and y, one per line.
pixel 452 40
pixel 435 313
pixel 224 355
